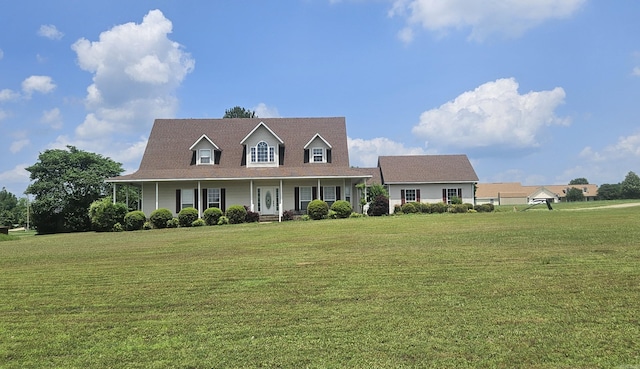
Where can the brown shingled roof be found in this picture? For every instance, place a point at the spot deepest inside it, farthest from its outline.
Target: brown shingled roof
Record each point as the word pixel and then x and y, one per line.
pixel 167 155
pixel 426 168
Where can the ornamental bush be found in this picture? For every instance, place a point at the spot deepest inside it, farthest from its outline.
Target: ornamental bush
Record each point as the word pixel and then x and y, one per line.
pixel 198 223
pixel 439 207
pixel 211 216
pixel 409 208
pixel 379 206
pixel 223 220
pixel 287 215
pixel 236 214
pixel 317 209
pixel 458 208
pixel 173 223
pixel 342 208
pixel 104 214
pixel 160 217
pixel 187 216
pixel 252 216
pixel 134 220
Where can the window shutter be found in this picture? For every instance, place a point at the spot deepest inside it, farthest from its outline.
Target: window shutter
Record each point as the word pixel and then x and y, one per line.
pixel 243 161
pixel 281 155
pixel 178 202
pixel 195 198
pixel 204 199
pixel 321 193
pixel 338 193
pixel 314 192
pixel 216 157
pixel 444 195
pixel 460 193
pixel 328 155
pixel 193 158
pixel 296 197
pixel 402 200
pixel 223 202
pixel 306 155
pixel 417 195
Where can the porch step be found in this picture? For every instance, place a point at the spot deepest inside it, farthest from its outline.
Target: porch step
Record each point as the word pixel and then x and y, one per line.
pixel 268 218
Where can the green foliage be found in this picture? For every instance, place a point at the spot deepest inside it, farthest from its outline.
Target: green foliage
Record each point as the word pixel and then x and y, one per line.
pixel 342 208
pixel 160 217
pixel 236 214
pixel 198 223
pixel 173 223
pixel 317 209
pixel 223 220
pixel 212 215
pixel 439 207
pixel 239 112
pixel 187 216
pixel 147 226
pixel 458 208
pixel 134 220
pixel 305 217
pixel 574 194
pixel 579 181
pixel 630 187
pixel 376 190
pixel 610 191
pixel 65 183
pixel 287 215
pixel 7 237
pixel 117 227
pixel 455 200
pixel 104 214
pixel 8 205
pixel 252 216
pixel 484 208
pixel 409 208
pixel 356 215
pixel 379 206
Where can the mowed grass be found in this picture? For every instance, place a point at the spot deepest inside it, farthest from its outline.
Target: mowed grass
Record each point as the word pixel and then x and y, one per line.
pixel 533 289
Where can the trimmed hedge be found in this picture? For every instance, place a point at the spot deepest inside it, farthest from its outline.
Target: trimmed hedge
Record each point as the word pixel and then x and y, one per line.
pixel 160 217
pixel 187 216
pixel 342 208
pixel 211 216
pixel 134 220
pixel 317 209
pixel 104 214
pixel 236 214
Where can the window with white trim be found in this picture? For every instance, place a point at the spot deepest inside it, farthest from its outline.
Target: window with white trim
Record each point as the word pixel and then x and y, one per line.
pixel 213 198
pixel 204 156
pixel 329 194
pixel 318 155
pixel 186 200
pixel 305 197
pixel 451 193
pixel 263 153
pixel 347 193
pixel 410 195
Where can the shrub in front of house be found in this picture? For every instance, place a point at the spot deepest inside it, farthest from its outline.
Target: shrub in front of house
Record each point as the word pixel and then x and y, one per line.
pixel 211 216
pixel 484 208
pixel 438 208
pixel 317 209
pixel 455 200
pixel 409 208
pixel 252 216
pixel 223 220
pixel 187 216
pixel 379 206
pixel 236 214
pixel 134 220
pixel 147 226
pixel 424 207
pixel 458 208
pixel 356 215
pixel 198 223
pixel 173 223
pixel 160 217
pixel 104 214
pixel 397 209
pixel 468 206
pixel 342 208
pixel 287 215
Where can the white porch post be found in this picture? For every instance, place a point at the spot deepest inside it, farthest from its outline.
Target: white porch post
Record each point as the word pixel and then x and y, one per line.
pixel 280 207
pixel 199 206
pixel 114 192
pixel 156 195
pixel 127 196
pixel 141 201
pixel 251 195
pixel 318 192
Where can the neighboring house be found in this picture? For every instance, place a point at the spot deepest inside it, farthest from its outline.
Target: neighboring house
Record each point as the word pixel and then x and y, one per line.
pixel 267 164
pixel 513 193
pixel 425 178
pixel 275 164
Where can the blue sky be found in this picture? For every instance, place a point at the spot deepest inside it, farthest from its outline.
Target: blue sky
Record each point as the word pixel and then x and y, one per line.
pixel 534 91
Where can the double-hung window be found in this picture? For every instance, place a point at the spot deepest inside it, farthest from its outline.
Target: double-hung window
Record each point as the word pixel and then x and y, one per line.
pixel 205 156
pixel 318 155
pixel 410 195
pixel 305 197
pixel 329 194
pixel 451 193
pixel 187 198
pixel 213 198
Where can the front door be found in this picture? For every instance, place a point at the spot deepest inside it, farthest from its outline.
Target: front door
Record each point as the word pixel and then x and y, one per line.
pixel 267 200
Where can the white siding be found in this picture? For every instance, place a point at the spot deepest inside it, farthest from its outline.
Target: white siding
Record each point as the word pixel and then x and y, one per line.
pixel 429 193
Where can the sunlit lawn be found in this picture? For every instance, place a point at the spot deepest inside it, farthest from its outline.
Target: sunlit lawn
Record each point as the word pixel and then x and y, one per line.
pixel 535 289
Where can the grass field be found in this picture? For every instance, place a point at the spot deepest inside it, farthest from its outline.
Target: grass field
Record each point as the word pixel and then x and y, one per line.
pixel 535 289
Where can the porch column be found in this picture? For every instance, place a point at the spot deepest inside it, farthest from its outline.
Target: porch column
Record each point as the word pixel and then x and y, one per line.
pixel 156 195
pixel 114 192
pixel 280 207
pixel 199 204
pixel 127 196
pixel 318 192
pixel 251 195
pixel 141 200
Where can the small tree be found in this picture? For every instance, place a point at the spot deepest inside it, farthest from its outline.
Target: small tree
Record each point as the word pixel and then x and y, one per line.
pixel 608 191
pixel 379 206
pixel 575 194
pixel 104 214
pixel 376 190
pixel 630 187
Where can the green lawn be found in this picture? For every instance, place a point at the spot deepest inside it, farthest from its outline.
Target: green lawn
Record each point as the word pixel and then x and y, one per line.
pixel 534 289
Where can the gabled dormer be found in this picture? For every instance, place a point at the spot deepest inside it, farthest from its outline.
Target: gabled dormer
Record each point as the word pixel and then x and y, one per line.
pixel 262 147
pixel 317 150
pixel 205 152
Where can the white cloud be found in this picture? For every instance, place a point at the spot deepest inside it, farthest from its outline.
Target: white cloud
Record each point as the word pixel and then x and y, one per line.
pixel 364 153
pixel 42 84
pixel 136 69
pixel 52 118
pixel 493 116
pixel 264 111
pixel 50 31
pixel 16 175
pixel 626 149
pixel 6 95
pixel 508 17
pixel 16 146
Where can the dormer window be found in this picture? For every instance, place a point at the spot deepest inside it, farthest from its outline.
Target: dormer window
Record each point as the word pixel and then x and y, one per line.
pixel 317 150
pixel 204 156
pixel 318 155
pixel 263 153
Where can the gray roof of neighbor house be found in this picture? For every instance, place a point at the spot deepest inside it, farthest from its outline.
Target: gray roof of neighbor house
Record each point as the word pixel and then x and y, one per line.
pixel 426 169
pixel 168 155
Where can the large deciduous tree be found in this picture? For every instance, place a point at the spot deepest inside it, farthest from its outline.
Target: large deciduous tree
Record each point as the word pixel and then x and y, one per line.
pixel 65 183
pixel 579 181
pixel 609 191
pixel 575 194
pixel 8 204
pixel 239 112
pixel 630 187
